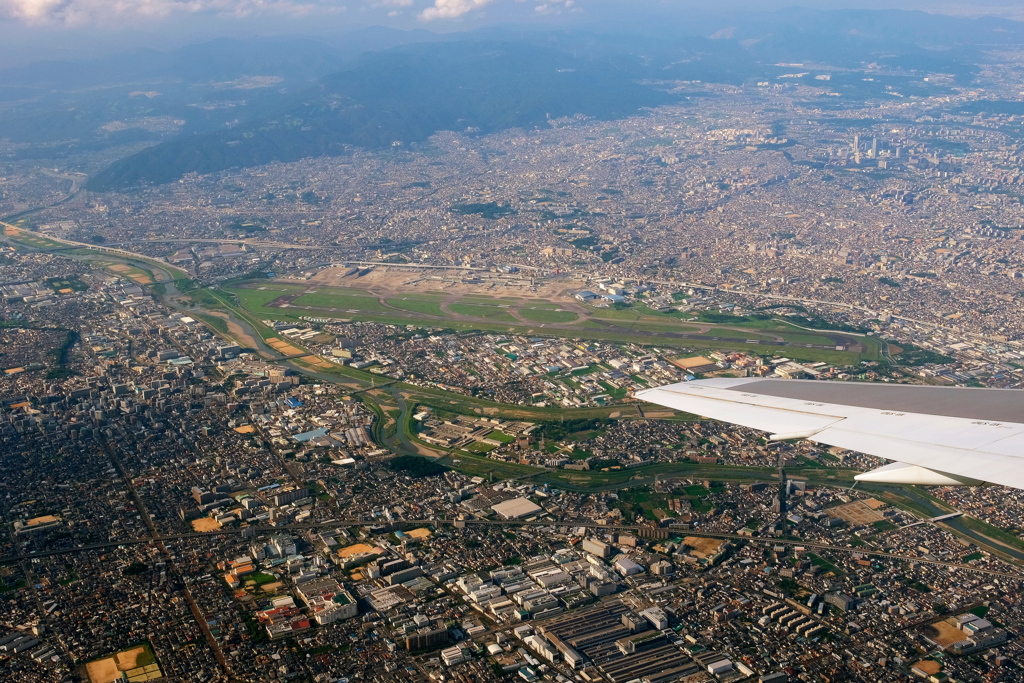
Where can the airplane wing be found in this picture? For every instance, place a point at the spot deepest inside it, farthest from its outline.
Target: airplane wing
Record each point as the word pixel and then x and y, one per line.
pixel 937 435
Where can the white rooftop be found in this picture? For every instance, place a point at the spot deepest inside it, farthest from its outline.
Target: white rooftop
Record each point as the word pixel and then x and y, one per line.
pixel 516 508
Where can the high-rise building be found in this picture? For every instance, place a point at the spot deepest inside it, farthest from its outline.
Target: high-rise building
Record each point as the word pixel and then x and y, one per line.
pixel 428 639
pixel 596 547
pixel 286 496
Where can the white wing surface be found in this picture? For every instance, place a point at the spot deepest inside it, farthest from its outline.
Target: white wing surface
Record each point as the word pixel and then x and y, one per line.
pixel 940 435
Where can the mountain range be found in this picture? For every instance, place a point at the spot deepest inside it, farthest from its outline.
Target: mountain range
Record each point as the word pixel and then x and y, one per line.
pixel 240 103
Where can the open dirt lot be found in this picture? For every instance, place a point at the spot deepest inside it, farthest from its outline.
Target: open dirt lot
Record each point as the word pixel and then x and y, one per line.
pixel 126 660
pixel 944 633
pixel 103 670
pixel 318 362
pixel 131 273
pixel 655 414
pixel 205 524
pixel 109 669
pixel 355 550
pixel 283 347
pixel 858 512
pixel 703 547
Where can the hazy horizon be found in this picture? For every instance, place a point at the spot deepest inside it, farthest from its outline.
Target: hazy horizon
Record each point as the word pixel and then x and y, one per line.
pixel 46 30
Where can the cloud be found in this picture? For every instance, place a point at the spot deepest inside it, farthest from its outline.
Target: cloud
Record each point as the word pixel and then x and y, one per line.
pixel 78 12
pixel 555 6
pixel 451 9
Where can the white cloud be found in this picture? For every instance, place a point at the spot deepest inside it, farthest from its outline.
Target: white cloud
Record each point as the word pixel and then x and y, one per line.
pixel 77 12
pixel 555 6
pixel 451 9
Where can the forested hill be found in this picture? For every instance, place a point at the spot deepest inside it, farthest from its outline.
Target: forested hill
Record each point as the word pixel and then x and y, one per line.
pixel 494 79
pixel 404 95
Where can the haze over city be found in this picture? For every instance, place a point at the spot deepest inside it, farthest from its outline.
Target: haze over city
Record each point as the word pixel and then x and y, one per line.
pixel 494 340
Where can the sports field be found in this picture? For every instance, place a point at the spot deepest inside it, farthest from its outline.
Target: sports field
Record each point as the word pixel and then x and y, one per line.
pixel 136 664
pixel 28 238
pixel 133 273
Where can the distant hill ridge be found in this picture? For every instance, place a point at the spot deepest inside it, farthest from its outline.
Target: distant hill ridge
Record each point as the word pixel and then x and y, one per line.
pixel 496 78
pixel 403 95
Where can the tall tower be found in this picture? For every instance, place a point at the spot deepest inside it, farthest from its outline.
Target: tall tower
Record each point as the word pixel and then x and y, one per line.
pixel 874 148
pixel 856 149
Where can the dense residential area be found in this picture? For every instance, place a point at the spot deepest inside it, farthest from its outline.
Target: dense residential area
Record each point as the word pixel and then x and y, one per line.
pixel 190 503
pixel 338 376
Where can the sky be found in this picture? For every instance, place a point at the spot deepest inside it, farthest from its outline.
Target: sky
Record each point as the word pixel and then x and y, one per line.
pixel 81 13
pixel 38 29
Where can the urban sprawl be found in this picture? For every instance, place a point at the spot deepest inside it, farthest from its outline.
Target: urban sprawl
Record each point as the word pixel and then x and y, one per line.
pixel 372 417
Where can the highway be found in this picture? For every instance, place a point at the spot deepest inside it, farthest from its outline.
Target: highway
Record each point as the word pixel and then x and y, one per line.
pixel 96 247
pixel 250 242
